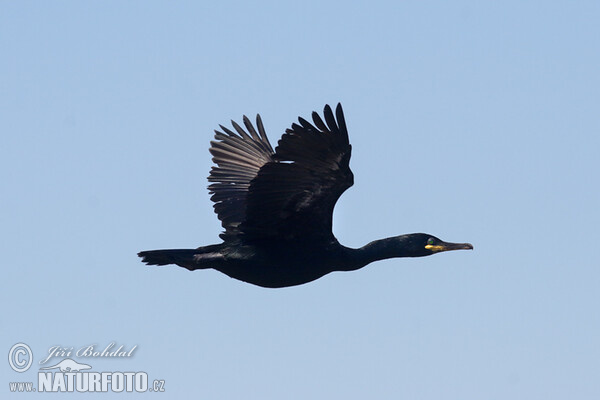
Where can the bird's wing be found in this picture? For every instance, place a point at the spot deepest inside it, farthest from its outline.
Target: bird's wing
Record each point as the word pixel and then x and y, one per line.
pixel 292 197
pixel 238 158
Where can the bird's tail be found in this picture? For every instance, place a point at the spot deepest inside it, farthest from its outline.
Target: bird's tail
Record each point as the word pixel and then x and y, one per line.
pixel 187 258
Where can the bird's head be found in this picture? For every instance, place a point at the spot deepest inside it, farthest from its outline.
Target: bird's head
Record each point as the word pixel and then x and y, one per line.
pixel 423 244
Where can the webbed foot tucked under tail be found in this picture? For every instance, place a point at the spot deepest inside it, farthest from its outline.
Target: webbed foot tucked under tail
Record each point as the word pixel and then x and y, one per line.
pixel 187 258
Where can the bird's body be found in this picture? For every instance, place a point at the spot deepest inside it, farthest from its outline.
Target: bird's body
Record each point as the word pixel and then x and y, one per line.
pixel 277 206
pixel 263 265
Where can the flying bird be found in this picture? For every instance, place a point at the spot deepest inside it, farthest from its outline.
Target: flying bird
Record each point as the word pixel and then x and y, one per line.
pixel 276 207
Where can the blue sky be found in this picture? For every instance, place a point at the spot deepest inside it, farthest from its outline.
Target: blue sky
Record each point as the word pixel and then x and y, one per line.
pixel 472 121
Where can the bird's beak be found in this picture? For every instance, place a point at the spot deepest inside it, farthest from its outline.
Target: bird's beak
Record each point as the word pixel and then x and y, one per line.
pixel 443 246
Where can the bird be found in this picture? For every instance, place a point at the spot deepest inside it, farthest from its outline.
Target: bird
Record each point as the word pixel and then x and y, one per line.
pixel 276 207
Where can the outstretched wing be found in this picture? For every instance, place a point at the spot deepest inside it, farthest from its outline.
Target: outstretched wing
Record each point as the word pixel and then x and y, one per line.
pixel 293 196
pixel 238 158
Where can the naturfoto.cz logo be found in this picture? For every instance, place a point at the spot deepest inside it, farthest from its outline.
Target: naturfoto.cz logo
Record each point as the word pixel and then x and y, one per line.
pixel 68 375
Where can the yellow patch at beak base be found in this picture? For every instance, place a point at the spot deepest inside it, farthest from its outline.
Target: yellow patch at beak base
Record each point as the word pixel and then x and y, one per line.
pixel 435 247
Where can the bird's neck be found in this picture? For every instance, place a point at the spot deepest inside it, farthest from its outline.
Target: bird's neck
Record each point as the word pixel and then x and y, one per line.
pixel 377 250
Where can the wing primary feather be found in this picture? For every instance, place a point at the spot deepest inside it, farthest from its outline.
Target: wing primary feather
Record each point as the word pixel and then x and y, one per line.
pixel 261 130
pixel 339 113
pixel 305 124
pixel 240 130
pixel 318 121
pixel 250 128
pixel 330 119
pixel 227 131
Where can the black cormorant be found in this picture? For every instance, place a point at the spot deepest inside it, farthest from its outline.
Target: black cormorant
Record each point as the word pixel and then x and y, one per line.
pixel 276 207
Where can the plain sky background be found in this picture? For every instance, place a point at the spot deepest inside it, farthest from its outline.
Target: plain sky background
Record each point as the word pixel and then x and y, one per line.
pixel 474 121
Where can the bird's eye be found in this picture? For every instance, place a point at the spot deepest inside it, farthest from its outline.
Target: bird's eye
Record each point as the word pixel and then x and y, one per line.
pixel 430 241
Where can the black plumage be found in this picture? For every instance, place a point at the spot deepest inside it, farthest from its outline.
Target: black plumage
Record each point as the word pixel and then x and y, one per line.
pixel 276 207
